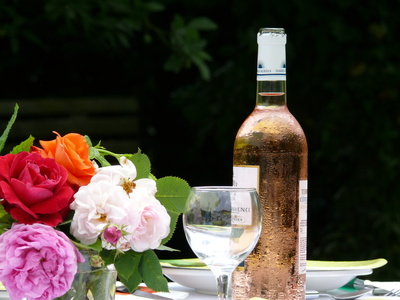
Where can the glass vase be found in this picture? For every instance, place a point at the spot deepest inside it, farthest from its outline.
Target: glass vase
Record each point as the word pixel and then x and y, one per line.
pixel 92 283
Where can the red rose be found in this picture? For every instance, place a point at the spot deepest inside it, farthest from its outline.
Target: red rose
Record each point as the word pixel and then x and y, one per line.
pixel 33 189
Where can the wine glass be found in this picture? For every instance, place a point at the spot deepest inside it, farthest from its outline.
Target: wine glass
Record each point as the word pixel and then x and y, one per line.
pixel 222 225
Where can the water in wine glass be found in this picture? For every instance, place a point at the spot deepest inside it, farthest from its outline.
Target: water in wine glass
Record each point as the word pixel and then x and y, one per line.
pixel 222 226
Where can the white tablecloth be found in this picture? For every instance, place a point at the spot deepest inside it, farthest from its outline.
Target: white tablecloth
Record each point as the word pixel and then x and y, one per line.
pixel 193 295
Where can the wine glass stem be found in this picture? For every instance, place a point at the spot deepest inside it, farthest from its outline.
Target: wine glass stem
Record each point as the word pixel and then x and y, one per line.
pixel 223 281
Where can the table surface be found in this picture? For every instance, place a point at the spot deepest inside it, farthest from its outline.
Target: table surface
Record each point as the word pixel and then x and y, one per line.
pixel 193 295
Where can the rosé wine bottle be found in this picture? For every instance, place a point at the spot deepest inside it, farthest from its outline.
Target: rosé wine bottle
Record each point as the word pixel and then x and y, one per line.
pixel 270 154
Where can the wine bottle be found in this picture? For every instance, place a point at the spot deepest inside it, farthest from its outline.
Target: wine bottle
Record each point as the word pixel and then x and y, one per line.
pixel 270 154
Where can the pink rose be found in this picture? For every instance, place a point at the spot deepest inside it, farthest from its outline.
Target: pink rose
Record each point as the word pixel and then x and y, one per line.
pixel 154 225
pixel 37 262
pixel 34 188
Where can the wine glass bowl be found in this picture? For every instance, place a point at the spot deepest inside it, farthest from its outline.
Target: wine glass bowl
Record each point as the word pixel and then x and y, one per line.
pixel 222 226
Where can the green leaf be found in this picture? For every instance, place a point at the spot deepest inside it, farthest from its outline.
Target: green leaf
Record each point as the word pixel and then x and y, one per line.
pixel 127 266
pixel 94 153
pixel 142 164
pixel 132 283
pixel 24 146
pixel 174 220
pixel 88 140
pixel 174 63
pixel 203 68
pixel 151 272
pixel 154 6
pixel 166 248
pixel 173 192
pixel 96 246
pixel 2 211
pixel 4 136
pixel 127 263
pixel 188 45
pixel 5 220
pixel 108 256
pixel 202 23
pixel 4 227
pixel 178 22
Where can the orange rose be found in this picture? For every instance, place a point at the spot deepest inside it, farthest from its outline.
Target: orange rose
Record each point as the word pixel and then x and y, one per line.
pixel 72 152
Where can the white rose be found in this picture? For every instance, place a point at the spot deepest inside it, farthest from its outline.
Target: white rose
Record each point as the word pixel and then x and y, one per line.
pixel 97 205
pixel 124 175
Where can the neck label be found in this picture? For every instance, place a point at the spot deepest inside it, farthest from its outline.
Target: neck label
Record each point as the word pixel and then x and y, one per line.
pixel 271 63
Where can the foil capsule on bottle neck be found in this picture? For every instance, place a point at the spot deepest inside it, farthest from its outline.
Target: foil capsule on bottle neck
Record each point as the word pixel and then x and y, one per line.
pixel 271 36
pixel 271 62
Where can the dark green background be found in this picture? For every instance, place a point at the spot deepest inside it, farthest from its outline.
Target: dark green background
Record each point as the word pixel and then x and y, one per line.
pixel 191 65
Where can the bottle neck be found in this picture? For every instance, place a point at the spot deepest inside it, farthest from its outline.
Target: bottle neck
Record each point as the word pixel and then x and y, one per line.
pixel 271 93
pixel 271 67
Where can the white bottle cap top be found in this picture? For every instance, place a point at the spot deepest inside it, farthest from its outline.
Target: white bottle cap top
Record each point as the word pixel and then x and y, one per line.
pixel 271 54
pixel 271 36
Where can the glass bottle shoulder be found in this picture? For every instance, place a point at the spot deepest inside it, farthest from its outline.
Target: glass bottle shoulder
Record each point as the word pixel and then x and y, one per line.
pixel 273 127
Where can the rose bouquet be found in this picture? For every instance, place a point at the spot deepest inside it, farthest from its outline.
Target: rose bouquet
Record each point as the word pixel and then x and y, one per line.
pixel 64 196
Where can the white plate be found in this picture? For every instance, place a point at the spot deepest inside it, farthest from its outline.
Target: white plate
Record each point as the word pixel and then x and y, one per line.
pixel 328 280
pixel 4 295
pixel 203 281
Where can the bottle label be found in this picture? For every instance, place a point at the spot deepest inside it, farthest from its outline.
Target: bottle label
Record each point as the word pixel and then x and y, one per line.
pixel 246 176
pixel 241 209
pixel 303 192
pixel 271 63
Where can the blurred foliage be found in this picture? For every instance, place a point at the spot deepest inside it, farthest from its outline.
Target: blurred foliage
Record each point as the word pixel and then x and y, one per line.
pixel 34 34
pixel 343 59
